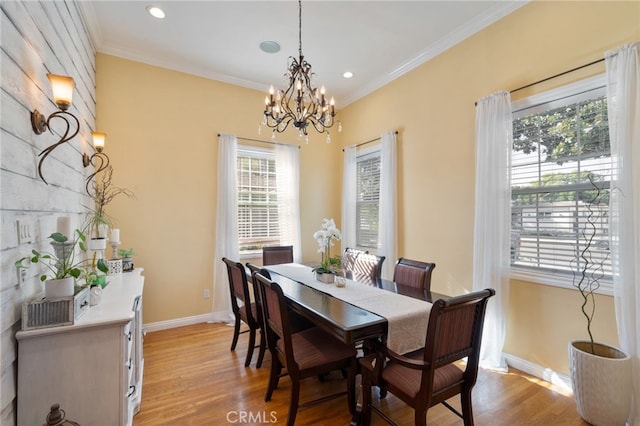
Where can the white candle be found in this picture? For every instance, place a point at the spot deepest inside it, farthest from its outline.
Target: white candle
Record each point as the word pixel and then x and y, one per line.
pixel 64 226
pixel 115 235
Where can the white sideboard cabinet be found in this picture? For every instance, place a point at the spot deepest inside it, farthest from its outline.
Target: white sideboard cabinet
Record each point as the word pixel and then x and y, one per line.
pixel 92 368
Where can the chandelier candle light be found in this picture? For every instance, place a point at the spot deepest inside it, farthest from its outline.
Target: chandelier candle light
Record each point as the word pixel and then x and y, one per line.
pixel 300 103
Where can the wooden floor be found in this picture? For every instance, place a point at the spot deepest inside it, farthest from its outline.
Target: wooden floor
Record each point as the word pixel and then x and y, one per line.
pixel 192 378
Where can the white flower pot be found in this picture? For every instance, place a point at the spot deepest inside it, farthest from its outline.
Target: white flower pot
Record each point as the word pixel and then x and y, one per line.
pixel 96 244
pixel 59 288
pixel 602 384
pixel 115 266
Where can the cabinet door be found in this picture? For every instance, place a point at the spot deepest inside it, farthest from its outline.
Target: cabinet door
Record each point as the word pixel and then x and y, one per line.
pixel 82 370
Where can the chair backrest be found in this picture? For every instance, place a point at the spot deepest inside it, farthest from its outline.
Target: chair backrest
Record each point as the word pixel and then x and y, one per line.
pixel 256 290
pixel 275 255
pixel 276 318
pixel 413 273
pixel 367 268
pixel 455 332
pixel 349 259
pixel 238 286
pixel 257 296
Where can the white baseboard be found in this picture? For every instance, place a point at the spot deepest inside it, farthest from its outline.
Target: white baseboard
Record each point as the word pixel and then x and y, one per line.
pixel 181 322
pixel 548 375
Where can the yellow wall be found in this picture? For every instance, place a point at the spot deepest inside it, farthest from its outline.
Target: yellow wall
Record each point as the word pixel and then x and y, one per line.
pixel 433 108
pixel 162 128
pixel 162 131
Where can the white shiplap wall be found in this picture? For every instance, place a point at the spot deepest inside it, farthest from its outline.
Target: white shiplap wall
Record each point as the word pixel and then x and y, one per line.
pixel 37 37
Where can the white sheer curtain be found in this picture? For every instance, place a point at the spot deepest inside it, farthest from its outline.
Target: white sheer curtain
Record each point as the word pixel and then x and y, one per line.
pixel 493 219
pixel 623 99
pixel 288 184
pixel 388 226
pixel 226 226
pixel 348 225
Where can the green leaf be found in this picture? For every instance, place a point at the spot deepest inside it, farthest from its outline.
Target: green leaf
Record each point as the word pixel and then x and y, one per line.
pixel 43 278
pixel 58 237
pixel 102 266
pixel 75 272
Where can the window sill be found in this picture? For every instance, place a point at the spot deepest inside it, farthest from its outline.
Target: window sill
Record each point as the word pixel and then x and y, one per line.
pixel 555 280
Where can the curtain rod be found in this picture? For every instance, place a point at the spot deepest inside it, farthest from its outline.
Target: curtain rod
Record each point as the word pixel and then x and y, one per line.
pixel 261 141
pixel 555 76
pixel 364 143
pixel 558 75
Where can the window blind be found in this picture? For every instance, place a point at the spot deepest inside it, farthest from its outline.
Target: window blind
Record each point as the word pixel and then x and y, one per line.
pixel 368 198
pixel 258 223
pixel 560 177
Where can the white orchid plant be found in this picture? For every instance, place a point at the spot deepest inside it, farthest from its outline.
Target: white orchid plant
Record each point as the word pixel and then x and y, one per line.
pixel 325 238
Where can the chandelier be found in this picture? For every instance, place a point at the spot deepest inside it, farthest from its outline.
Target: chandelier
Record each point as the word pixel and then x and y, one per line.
pixel 300 104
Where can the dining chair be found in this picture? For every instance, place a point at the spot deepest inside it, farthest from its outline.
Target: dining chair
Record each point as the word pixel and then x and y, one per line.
pixel 247 312
pixel 349 259
pixel 367 268
pixel 275 255
pixel 413 273
pixel 430 375
pixel 308 353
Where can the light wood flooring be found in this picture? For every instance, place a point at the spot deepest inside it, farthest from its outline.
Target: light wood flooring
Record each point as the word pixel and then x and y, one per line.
pixel 192 378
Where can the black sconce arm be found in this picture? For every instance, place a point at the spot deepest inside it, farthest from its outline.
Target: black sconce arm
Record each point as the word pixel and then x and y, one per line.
pixel 36 117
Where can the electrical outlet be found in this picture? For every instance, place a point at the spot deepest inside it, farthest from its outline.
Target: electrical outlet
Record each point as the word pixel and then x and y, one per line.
pixel 22 275
pixel 25 231
pixel 205 293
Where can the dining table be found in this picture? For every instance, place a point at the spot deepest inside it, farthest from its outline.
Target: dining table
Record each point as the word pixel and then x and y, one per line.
pixel 395 314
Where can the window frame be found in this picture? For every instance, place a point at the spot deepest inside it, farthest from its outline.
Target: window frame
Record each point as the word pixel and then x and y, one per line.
pixel 531 103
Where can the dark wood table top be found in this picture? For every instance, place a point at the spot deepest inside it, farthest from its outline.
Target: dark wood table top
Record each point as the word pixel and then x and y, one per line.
pixel 347 322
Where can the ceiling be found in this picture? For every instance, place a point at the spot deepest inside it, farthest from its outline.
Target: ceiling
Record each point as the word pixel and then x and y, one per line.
pixel 376 40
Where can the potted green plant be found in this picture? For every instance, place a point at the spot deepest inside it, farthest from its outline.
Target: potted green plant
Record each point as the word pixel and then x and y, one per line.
pixel 600 373
pixel 329 266
pixel 63 267
pixel 127 261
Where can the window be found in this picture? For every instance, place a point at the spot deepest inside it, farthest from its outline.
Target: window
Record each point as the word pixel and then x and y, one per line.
pixel 368 199
pixel 560 178
pixel 258 224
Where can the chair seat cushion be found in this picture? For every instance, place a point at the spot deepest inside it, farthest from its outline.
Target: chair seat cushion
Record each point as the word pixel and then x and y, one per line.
pixel 243 312
pixel 407 380
pixel 314 347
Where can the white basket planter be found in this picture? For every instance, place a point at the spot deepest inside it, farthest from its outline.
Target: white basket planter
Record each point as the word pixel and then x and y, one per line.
pixel 602 384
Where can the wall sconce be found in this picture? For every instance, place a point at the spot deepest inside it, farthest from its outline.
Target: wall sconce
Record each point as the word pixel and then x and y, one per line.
pixel 98 143
pixel 62 87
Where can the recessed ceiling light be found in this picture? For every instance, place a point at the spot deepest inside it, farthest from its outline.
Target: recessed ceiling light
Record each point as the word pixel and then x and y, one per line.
pixel 155 11
pixel 347 74
pixel 268 46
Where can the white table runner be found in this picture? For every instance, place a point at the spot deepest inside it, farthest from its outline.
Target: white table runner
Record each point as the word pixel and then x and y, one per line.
pixel 407 317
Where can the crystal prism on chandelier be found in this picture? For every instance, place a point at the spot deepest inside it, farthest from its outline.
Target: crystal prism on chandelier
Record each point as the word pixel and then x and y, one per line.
pixel 300 104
